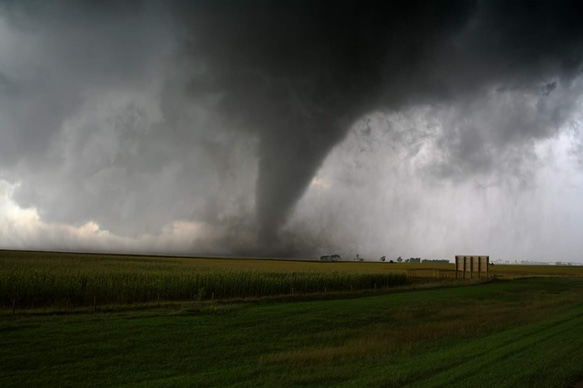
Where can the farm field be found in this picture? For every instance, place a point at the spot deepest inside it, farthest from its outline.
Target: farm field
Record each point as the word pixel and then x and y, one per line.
pixel 33 280
pixel 519 333
pixel 37 280
pixel 510 332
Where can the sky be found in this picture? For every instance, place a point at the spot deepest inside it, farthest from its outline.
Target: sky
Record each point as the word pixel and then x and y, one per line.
pixel 293 128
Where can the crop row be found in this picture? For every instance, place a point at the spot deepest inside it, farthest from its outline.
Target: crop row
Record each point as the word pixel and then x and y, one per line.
pixel 30 288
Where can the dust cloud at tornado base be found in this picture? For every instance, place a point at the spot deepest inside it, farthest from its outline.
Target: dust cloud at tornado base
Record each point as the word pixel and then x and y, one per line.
pixel 294 128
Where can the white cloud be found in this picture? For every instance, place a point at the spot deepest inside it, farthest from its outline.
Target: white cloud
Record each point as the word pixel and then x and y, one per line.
pixel 385 203
pixel 24 228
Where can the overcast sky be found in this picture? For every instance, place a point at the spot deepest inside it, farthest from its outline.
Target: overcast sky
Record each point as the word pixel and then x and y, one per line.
pixel 293 128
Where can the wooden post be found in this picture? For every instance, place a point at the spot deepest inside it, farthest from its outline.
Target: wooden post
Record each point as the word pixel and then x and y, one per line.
pixel 464 266
pixel 479 267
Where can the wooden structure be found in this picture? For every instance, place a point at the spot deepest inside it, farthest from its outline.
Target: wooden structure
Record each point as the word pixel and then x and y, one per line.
pixel 431 273
pixel 471 266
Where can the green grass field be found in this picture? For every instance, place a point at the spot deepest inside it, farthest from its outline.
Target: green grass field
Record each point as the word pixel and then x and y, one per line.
pixel 524 332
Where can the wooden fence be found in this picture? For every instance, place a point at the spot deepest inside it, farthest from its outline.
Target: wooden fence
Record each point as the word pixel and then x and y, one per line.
pixel 431 273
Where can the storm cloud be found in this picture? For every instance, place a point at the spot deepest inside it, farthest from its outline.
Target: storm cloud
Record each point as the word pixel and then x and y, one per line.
pixel 254 122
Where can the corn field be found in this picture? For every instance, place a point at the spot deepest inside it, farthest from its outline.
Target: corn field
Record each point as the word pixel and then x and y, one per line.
pixel 73 281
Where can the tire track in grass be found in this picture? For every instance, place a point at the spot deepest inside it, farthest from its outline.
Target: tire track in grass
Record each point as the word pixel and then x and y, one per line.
pixel 456 365
pixel 493 361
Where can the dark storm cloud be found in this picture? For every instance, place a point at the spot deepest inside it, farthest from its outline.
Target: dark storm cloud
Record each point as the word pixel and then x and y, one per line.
pixel 79 125
pixel 300 73
pixel 64 50
pixel 134 114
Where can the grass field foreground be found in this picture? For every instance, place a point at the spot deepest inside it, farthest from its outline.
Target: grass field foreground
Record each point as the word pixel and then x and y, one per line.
pixel 519 333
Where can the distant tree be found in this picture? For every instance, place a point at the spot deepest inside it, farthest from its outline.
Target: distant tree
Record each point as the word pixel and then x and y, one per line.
pixel 391 261
pixel 383 258
pixel 399 259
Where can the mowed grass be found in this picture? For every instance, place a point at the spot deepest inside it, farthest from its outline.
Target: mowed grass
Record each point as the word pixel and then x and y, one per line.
pixel 515 271
pixel 518 333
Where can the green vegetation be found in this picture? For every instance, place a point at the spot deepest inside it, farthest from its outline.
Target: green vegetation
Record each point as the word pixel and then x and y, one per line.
pixel 525 332
pixel 41 280
pixel 515 271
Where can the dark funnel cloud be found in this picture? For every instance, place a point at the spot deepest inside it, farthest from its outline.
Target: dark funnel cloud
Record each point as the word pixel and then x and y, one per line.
pixel 299 73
